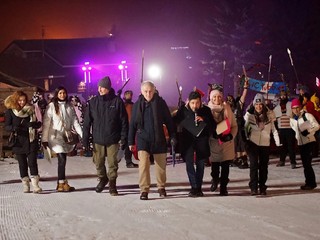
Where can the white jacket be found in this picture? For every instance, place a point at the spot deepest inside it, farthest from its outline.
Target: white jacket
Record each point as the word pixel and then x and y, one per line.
pixel 54 126
pixel 259 136
pixel 297 124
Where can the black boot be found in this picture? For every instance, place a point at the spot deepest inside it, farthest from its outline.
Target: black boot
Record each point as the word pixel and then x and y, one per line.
pixel 223 190
pixel 193 192
pixel 223 187
pixel 102 183
pixel 214 184
pixel 113 187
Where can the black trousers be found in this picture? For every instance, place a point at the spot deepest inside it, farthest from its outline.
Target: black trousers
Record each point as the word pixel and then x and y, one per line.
pixel 306 158
pixel 62 161
pixel 25 161
pixel 259 159
pixel 225 169
pixel 287 139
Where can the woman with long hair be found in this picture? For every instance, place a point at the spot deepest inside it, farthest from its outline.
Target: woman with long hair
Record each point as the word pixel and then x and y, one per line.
pixel 59 117
pixel 259 124
pixel 20 118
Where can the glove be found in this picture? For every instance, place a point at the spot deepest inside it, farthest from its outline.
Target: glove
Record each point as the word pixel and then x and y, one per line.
pixel 225 138
pixel 122 144
pixel 34 125
pixel 45 145
pixel 305 133
pixel 173 142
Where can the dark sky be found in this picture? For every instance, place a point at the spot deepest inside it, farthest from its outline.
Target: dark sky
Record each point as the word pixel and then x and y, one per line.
pixel 141 24
pixel 23 19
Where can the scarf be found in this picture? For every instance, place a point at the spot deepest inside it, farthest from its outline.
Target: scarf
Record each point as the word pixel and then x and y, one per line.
pixel 220 112
pixel 154 104
pixel 27 111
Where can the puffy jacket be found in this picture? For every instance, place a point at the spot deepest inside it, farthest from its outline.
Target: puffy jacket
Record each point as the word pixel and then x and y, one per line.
pixel 296 126
pixel 23 145
pixel 108 118
pixel 261 136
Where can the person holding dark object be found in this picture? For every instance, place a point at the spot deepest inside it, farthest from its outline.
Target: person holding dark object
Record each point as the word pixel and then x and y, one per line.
pixel 60 117
pixel 107 117
pixel 222 143
pixel 237 107
pixel 197 126
pixel 150 112
pixel 283 114
pixel 305 126
pixel 20 119
pixel 127 98
pixel 259 124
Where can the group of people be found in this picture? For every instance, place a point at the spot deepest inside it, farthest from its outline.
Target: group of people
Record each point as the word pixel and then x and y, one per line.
pixel 220 131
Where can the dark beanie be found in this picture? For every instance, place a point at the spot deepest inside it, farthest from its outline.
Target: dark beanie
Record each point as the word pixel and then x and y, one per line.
pixel 194 95
pixel 105 82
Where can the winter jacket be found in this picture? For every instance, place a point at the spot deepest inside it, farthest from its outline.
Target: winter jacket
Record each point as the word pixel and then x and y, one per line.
pixel 20 125
pixel 108 118
pixel 223 151
pixel 54 126
pixel 261 135
pixel 296 126
pixel 146 129
pixel 201 143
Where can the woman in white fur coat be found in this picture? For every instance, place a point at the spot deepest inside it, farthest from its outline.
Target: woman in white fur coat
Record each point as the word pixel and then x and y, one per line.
pixel 60 116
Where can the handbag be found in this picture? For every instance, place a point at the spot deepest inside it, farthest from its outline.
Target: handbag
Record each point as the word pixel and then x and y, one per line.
pixel 12 140
pixel 71 137
pixel 13 137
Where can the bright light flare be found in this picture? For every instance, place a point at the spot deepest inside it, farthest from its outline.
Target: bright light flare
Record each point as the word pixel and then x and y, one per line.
pixel 154 72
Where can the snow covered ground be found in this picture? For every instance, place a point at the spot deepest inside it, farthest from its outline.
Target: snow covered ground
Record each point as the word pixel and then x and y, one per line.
pixel 285 213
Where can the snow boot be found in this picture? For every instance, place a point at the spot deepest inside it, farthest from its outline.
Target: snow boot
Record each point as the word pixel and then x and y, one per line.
pixel 26 184
pixel 113 188
pixel 63 186
pixel 35 184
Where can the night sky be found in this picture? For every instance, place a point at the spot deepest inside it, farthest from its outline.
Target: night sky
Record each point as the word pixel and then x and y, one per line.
pixel 133 19
pixel 151 25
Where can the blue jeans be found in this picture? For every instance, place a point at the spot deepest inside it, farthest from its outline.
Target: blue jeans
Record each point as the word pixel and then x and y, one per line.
pixel 195 174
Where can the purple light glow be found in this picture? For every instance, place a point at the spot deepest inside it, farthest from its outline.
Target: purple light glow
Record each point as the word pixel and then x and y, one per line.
pixel 120 67
pixel 84 68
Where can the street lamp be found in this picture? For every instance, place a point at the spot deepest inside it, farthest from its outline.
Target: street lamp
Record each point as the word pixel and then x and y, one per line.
pixel 154 72
pixel 123 71
pixel 86 68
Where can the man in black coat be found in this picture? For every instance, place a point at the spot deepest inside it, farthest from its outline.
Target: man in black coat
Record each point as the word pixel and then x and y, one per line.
pixel 149 115
pixel 197 126
pixel 107 117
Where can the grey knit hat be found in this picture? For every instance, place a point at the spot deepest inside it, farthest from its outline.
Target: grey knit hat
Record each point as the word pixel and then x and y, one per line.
pixel 259 99
pixel 105 83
